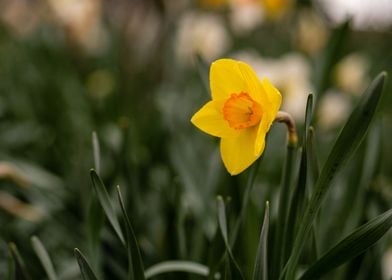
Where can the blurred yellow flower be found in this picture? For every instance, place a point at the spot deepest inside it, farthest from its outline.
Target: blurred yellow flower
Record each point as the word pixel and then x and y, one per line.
pixel 276 8
pixel 241 112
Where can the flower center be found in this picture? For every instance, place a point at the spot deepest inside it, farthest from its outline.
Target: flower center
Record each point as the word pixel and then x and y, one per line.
pixel 241 111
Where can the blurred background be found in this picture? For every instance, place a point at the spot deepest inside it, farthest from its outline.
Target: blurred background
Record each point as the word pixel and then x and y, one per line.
pixel 135 72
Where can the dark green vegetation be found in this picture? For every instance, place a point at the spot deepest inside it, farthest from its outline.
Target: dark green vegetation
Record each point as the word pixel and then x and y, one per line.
pixel 158 191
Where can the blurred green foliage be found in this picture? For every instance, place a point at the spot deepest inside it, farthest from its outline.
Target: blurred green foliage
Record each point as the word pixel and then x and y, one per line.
pixel 138 96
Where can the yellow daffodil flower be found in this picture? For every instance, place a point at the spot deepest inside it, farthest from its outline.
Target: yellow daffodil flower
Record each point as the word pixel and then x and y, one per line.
pixel 241 112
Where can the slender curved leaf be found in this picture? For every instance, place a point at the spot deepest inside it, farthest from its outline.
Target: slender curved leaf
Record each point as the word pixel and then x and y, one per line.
pixel 222 222
pixel 283 209
pixel 177 266
pixel 106 204
pixel 260 271
pixel 314 169
pixel 94 222
pixel 96 152
pixel 348 141
pixel 135 264
pixel 44 258
pixel 351 246
pixel 85 269
pixel 20 271
pixel 298 198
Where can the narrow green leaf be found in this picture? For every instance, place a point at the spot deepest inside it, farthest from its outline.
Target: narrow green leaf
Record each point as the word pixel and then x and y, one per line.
pixel 372 161
pixel 222 222
pixel 347 142
pixel 135 264
pixel 308 118
pixel 313 248
pixel 298 198
pixel 44 258
pixel 260 271
pixel 359 178
pixel 106 204
pixel 20 271
pixel 85 269
pixel 177 266
pixel 11 268
pixel 94 223
pixel 351 246
pixel 96 152
pixel 95 215
pixel 283 209
pixel 314 170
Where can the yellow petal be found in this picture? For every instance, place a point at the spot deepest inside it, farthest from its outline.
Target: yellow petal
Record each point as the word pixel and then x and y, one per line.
pixel 228 76
pixel 255 88
pixel 226 79
pixel 274 97
pixel 262 130
pixel 210 120
pixel 239 153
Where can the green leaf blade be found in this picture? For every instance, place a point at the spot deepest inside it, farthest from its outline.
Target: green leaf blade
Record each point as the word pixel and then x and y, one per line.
pixel 260 271
pixel 96 152
pixel 345 145
pixel 298 198
pixel 222 222
pixel 106 204
pixel 44 258
pixel 351 246
pixel 19 268
pixel 135 264
pixel 176 266
pixel 84 266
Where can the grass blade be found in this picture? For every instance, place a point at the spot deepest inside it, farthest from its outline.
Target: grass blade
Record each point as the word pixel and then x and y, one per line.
pixel 308 118
pixel 347 142
pixel 94 221
pixel 299 198
pixel 44 258
pixel 314 169
pixel 222 222
pixel 260 271
pixel 85 269
pixel 20 271
pixel 177 266
pixel 96 152
pixel 350 247
pixel 106 204
pixel 135 264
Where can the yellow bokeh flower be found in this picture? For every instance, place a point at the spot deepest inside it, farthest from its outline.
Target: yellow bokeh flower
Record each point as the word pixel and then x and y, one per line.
pixel 276 8
pixel 241 112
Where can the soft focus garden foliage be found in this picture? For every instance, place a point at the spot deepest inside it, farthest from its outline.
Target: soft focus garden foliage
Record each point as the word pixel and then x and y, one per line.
pixel 112 85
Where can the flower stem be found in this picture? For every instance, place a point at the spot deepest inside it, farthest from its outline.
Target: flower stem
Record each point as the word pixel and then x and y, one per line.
pixel 287 119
